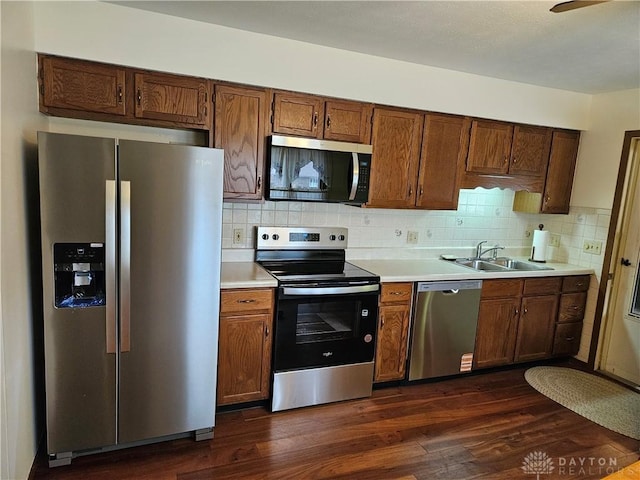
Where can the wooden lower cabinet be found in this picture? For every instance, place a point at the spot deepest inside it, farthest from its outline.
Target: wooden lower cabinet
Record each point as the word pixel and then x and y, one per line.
pixel 244 348
pixel 517 321
pixel 393 331
pixel 496 333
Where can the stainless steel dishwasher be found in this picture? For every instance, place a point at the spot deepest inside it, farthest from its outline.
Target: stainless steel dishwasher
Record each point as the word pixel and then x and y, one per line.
pixel 445 318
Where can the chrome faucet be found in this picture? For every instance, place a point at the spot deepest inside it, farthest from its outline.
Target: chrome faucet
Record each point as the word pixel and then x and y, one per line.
pixel 480 252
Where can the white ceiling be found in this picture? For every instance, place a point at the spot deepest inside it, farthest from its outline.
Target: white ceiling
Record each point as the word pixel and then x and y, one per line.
pixel 590 50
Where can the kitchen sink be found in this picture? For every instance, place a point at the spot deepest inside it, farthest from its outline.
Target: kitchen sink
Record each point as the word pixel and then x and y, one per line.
pixel 500 265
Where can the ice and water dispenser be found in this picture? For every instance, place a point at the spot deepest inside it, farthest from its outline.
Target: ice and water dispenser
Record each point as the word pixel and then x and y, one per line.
pixel 79 275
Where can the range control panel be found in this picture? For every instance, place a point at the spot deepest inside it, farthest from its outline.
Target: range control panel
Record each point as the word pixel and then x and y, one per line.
pixel 301 238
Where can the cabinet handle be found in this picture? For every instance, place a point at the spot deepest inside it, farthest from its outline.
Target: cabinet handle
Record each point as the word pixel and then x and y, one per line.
pixel 525 311
pixel 580 284
pixel 547 198
pixel 575 307
pixel 569 339
pixel 266 332
pixel 395 293
pixel 328 121
pixel 315 119
pixel 259 182
pixel 381 322
pixel 515 160
pixel 251 300
pixel 410 191
pixel 516 312
pixel 120 93
pixel 506 159
pixel 139 96
pixel 421 191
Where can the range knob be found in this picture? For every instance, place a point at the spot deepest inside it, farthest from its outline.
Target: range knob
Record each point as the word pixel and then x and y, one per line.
pixel 265 236
pixel 332 237
pixel 341 238
pixel 275 236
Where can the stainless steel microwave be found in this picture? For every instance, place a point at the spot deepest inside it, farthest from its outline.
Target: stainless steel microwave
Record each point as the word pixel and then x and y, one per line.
pixel 310 170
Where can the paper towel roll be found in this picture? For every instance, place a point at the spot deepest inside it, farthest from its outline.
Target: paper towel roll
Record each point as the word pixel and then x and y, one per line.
pixel 539 246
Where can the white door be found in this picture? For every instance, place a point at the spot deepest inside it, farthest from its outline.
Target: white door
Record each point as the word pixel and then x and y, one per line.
pixel 622 343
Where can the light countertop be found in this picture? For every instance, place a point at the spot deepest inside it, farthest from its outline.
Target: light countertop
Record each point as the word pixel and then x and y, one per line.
pixel 437 270
pixel 245 275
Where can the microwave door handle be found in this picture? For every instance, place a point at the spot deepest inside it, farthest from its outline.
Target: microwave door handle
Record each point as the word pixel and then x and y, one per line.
pixel 356 174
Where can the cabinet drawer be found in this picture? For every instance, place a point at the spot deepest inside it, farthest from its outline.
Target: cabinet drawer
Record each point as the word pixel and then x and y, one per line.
pixel 542 286
pixel 243 300
pixel 396 292
pixel 567 338
pixel 577 283
pixel 501 288
pixel 572 306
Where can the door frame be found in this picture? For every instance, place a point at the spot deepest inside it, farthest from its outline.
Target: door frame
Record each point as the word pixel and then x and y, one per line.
pixel 606 276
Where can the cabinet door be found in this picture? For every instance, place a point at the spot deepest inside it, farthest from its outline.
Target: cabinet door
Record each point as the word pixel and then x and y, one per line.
pixel 562 162
pixel 496 333
pixel 295 114
pixel 536 328
pixel 572 307
pixel 567 338
pixel 530 150
pixel 240 115
pixel 171 98
pixel 444 147
pixel 79 85
pixel 397 135
pixel 391 344
pixel 348 121
pixel 489 147
pixel 244 358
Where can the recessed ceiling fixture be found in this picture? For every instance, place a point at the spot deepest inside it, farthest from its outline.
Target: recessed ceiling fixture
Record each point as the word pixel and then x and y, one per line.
pixel 572 5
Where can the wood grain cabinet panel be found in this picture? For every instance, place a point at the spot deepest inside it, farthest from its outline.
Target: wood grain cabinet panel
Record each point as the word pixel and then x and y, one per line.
pixel 172 98
pixel 572 307
pixel 240 129
pixel 245 340
pixel 530 150
pixel 489 147
pixel 567 338
pixel 397 137
pixel 496 332
pixel 393 332
pixel 84 86
pixel 562 163
pixel 298 114
pixel 536 328
pixel 348 121
pixel 445 141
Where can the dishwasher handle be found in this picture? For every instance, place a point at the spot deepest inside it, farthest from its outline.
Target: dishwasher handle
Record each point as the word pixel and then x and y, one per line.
pixel 450 292
pixel 449 287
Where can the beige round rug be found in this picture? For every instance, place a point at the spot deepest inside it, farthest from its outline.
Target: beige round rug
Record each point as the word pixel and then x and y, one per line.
pixel 597 399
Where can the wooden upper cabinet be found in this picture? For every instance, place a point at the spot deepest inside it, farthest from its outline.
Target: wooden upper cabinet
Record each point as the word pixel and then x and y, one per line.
pixel 240 129
pixel 298 114
pixel 530 150
pixel 172 98
pixel 347 121
pixel 397 136
pixel 562 163
pixel 79 85
pixel 317 117
pixel 489 147
pixel 445 142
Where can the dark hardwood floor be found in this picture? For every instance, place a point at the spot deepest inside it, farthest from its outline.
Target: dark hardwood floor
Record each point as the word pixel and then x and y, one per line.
pixel 480 426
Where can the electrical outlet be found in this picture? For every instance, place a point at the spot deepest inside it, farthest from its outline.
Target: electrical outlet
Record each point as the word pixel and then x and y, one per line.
pixel 238 236
pixel 592 246
pixel 412 237
pixel 554 241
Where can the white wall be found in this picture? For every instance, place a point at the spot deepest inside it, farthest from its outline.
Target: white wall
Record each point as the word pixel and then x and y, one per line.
pixel 601 146
pixel 116 34
pixel 20 122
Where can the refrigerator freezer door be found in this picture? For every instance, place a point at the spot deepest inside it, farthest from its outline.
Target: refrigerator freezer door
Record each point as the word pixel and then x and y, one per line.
pixel 80 375
pixel 172 274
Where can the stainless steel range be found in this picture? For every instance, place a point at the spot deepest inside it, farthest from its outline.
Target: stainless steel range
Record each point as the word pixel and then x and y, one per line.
pixel 326 316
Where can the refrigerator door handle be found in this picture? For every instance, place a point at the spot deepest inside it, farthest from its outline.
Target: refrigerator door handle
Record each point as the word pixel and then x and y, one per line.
pixel 110 265
pixel 125 266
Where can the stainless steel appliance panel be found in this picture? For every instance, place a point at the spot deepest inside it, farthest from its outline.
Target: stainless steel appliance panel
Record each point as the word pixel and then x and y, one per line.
pixel 80 374
pixel 444 328
pixel 315 386
pixel 169 288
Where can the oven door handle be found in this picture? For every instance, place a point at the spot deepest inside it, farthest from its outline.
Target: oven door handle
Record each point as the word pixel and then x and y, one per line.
pixel 329 290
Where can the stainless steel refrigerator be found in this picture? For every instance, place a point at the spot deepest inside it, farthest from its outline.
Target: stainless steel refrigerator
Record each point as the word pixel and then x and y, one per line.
pixel 131 245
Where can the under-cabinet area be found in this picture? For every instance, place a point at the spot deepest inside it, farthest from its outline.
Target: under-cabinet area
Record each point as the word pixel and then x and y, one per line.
pixel 421 159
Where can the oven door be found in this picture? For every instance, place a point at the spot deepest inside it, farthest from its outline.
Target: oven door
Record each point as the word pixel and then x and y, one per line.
pixel 319 326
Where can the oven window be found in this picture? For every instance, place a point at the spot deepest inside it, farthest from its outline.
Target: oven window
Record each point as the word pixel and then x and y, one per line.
pixel 326 321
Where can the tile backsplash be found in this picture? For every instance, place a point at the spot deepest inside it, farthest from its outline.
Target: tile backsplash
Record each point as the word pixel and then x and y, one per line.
pixel 482 215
